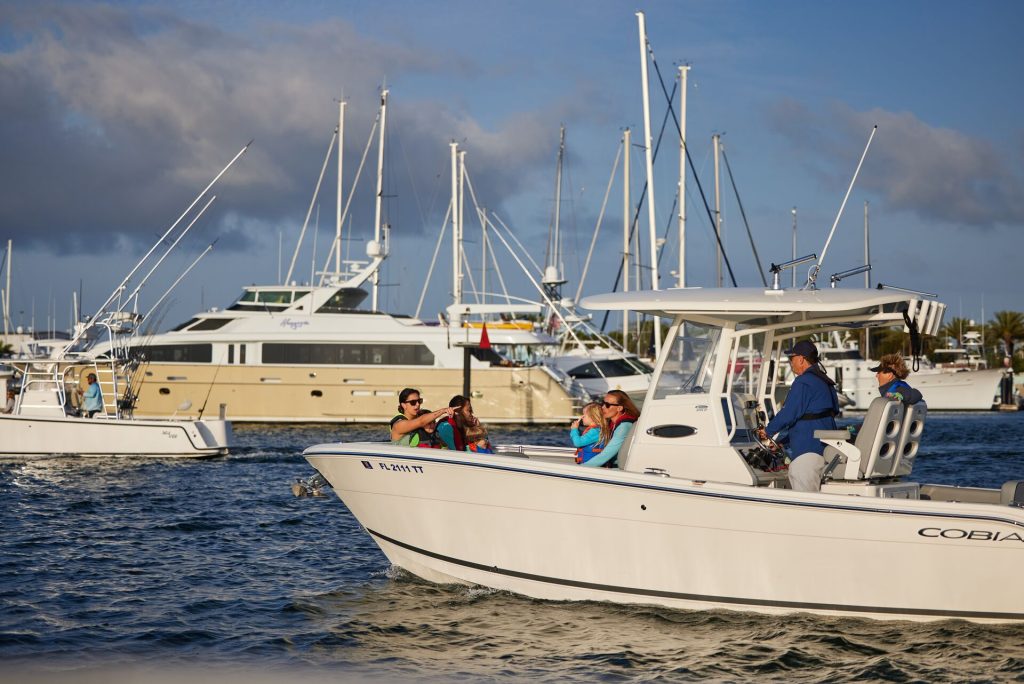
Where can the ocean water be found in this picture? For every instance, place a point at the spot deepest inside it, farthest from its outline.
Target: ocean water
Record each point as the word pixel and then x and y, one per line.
pixel 142 570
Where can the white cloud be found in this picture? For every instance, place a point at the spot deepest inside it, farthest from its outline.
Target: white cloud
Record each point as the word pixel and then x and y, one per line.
pixel 937 173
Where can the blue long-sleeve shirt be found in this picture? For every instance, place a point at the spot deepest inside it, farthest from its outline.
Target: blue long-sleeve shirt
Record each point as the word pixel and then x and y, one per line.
pixel 808 394
pixel 93 398
pixel 612 449
pixel 584 439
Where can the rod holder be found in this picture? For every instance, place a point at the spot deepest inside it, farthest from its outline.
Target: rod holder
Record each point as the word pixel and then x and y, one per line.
pixel 836 277
pixel 777 269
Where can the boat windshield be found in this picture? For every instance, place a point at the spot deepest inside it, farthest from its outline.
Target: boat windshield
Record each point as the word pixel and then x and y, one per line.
pixel 519 354
pixel 690 362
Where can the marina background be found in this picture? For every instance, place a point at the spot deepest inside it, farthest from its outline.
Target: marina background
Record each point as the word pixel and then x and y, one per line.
pixel 129 565
pixel 115 114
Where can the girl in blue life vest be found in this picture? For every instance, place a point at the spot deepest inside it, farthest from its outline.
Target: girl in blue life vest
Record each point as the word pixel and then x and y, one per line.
pixel 590 433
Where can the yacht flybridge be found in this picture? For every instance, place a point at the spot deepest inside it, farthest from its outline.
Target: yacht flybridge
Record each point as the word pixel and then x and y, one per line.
pixel 693 517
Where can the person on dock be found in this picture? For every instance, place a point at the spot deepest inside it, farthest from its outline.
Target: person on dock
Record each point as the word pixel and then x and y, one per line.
pixel 812 404
pixel 620 412
pixel 408 427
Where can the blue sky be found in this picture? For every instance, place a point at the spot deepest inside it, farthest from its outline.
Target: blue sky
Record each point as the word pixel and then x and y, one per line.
pixel 112 116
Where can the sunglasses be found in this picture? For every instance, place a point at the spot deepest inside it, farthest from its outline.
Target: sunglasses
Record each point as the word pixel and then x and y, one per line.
pixel 609 405
pixel 414 402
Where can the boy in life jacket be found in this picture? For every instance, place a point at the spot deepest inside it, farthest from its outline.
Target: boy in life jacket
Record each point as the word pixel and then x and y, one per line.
pixel 429 438
pixel 590 433
pixel 476 440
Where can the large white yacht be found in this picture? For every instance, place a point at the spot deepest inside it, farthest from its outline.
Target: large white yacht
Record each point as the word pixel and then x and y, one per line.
pixel 308 354
pixel 951 387
pixel 694 516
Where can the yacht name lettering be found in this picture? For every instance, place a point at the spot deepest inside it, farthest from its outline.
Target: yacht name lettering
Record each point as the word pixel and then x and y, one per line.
pixel 975 535
pixel 294 325
pixel 400 467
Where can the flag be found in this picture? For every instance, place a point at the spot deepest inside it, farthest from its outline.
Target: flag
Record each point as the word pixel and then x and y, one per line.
pixel 485 341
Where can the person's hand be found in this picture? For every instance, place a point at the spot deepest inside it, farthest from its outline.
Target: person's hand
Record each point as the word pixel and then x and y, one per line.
pixel 576 424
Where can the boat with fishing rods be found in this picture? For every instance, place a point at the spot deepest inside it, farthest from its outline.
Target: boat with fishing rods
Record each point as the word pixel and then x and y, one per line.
pixel 694 516
pixel 52 416
pixel 291 352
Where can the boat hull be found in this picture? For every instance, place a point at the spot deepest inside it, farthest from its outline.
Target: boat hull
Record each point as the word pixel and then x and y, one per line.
pixel 44 436
pixel 557 531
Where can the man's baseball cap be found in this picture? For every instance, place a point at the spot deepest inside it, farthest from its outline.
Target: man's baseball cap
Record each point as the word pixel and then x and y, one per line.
pixel 804 348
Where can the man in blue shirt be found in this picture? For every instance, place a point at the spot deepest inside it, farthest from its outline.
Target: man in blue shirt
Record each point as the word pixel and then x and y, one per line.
pixel 812 404
pixel 92 397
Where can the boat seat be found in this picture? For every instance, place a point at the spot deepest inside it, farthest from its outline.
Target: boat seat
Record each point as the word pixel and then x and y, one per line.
pixel 1012 493
pixel 910 438
pixel 873 453
pixel 622 459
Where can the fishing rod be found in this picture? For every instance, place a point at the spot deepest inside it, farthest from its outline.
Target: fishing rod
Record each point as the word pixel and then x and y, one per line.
pixel 120 288
pixel 135 293
pixel 812 274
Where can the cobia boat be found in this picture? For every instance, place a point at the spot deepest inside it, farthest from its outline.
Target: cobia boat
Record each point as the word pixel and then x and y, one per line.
pixel 693 517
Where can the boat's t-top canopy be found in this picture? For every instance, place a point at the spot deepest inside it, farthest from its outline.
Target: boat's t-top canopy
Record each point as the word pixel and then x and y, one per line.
pixel 773 309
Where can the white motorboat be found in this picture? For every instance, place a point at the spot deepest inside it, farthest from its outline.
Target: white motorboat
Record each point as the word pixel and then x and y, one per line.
pixel 48 418
pixel 945 386
pixel 691 518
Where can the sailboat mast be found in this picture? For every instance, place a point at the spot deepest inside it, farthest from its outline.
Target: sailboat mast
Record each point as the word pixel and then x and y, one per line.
pixel 794 246
pixel 716 141
pixel 626 149
pixel 649 159
pixel 867 277
pixel 456 294
pixel 683 70
pixel 341 157
pixel 380 188
pixel 7 290
pixel 462 215
pixel 556 251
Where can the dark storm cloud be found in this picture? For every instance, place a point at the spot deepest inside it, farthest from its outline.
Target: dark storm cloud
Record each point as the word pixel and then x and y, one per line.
pixel 114 117
pixel 937 173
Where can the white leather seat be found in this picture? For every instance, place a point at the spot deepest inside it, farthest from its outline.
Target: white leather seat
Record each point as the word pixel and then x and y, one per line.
pixel 910 438
pixel 873 453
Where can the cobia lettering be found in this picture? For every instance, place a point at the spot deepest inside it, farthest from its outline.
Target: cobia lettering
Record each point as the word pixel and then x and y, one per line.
pixel 973 535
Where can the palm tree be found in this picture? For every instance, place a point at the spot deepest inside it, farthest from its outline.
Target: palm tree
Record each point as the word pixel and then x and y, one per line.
pixel 1009 327
pixel 6 349
pixel 955 329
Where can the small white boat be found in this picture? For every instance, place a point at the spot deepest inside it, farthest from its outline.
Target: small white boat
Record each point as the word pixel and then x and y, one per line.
pixel 691 518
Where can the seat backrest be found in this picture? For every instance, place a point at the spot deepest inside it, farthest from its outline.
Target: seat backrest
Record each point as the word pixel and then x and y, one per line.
pixel 622 458
pixel 877 441
pixel 910 438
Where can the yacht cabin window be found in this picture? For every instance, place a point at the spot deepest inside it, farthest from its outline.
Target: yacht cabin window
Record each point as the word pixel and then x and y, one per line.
pixel 690 363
